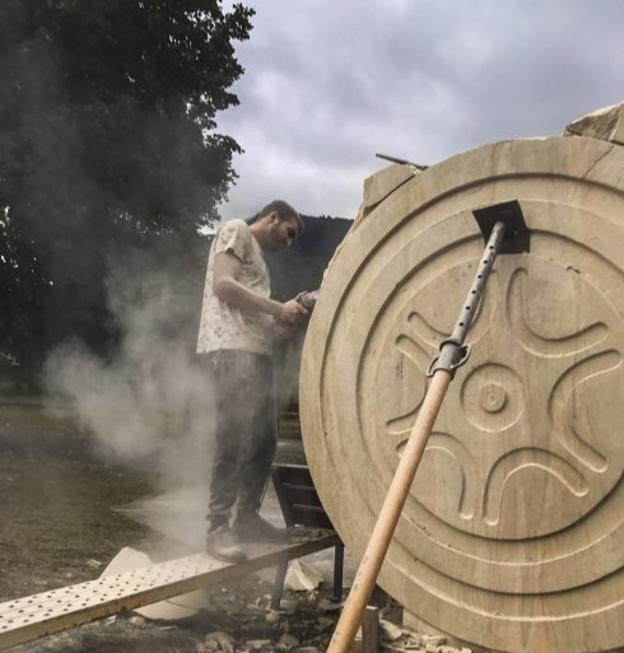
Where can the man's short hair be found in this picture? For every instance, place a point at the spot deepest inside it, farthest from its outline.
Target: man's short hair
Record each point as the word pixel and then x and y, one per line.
pixel 284 212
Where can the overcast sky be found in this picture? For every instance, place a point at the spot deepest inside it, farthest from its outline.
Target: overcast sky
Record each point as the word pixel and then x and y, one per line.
pixel 329 84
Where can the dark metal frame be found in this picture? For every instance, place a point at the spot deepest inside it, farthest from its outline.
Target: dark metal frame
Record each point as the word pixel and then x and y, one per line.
pixel 301 506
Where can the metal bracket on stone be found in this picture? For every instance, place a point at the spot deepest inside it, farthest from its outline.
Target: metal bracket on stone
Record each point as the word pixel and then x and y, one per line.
pixel 517 238
pixel 505 232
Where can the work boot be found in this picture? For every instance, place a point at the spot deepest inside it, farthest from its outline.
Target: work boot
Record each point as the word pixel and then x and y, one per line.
pixel 253 528
pixel 223 544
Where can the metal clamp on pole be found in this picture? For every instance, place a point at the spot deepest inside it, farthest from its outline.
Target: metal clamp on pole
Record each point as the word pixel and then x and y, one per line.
pixel 452 355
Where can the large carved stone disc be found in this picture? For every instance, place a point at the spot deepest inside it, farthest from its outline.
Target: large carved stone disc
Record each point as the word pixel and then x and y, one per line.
pixel 513 534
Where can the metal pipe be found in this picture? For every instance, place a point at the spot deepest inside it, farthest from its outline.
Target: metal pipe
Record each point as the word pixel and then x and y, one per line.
pixel 453 353
pixel 396 159
pixel 473 298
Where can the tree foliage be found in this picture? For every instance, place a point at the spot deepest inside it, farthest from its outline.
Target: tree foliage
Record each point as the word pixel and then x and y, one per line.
pixel 107 140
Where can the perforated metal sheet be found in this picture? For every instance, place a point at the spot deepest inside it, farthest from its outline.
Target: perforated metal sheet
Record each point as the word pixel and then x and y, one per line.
pixel 27 618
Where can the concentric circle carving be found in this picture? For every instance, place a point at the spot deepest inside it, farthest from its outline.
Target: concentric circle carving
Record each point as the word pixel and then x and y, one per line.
pixel 511 536
pixel 492 397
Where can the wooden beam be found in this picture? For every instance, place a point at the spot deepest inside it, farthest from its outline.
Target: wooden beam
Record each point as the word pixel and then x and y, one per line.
pixel 370 630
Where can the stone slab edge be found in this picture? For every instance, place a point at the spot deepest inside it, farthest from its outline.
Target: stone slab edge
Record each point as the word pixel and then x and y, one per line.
pixel 606 124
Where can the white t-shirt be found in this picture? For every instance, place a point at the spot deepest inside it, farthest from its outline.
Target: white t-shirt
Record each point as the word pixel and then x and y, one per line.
pixel 223 326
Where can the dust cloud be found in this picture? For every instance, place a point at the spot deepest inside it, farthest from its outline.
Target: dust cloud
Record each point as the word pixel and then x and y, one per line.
pixel 150 403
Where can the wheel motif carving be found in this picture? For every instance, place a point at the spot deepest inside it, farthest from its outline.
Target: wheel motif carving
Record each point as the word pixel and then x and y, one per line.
pixel 550 439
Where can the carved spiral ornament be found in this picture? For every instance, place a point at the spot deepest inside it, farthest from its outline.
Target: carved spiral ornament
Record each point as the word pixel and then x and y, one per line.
pixel 512 537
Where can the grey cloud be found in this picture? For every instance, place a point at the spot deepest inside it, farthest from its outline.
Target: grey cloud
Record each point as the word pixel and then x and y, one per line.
pixel 328 85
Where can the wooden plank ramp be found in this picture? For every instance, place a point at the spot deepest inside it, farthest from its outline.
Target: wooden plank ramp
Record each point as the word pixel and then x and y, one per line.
pixel 30 617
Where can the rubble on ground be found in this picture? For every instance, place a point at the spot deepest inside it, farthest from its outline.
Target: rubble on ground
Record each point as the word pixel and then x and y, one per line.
pixel 395 639
pixel 306 626
pixel 247 624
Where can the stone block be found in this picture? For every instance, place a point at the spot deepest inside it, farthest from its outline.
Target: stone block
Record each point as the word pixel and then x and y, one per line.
pixel 606 124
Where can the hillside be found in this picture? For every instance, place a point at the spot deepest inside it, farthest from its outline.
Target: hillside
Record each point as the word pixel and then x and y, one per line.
pixel 301 266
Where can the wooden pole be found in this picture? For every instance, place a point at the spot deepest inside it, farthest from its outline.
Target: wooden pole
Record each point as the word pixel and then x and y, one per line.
pixel 381 536
pixel 496 222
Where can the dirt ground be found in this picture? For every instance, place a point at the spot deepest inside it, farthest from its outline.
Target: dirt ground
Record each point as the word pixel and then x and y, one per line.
pixel 56 522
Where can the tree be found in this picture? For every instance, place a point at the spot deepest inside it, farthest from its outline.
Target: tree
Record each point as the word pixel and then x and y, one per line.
pixel 107 140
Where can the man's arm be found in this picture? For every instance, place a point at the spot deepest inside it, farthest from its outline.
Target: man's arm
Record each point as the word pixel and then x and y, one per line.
pixel 228 289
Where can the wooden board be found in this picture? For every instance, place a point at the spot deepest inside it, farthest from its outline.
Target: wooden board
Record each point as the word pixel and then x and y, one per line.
pixel 25 619
pixel 512 536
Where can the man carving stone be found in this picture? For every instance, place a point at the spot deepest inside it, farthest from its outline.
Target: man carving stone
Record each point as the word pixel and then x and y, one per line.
pixel 239 321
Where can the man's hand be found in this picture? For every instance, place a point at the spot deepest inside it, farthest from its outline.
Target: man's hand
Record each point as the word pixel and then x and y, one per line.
pixel 291 312
pixel 228 289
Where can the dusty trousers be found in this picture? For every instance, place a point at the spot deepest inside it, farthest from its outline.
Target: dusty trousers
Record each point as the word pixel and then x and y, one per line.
pixel 245 433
